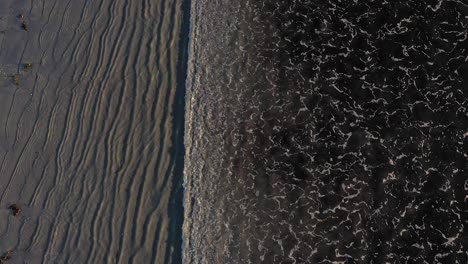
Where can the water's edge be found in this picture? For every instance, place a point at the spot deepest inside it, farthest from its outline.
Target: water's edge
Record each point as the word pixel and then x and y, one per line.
pixel 176 209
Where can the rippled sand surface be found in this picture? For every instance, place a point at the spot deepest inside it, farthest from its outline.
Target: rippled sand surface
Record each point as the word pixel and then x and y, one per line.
pixel 90 136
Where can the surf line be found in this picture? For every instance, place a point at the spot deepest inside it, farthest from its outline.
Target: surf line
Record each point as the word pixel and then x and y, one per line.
pixel 176 206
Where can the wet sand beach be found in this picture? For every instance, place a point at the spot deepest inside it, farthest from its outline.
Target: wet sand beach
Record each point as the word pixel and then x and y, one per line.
pixel 91 132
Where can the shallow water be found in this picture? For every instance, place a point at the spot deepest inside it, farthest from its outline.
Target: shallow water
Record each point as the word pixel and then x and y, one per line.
pixel 91 137
pixel 327 132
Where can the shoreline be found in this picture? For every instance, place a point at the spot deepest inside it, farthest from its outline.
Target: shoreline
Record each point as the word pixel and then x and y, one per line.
pixel 176 209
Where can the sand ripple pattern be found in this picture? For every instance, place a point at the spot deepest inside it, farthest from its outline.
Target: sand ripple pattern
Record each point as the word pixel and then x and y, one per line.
pixel 88 138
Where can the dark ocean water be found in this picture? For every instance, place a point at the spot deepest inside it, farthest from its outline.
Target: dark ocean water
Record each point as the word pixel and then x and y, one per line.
pixel 327 132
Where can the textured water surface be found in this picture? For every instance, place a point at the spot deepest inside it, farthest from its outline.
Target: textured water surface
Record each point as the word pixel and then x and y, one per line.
pixel 327 132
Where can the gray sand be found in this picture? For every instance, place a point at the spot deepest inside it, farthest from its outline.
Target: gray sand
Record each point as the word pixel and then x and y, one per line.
pixel 86 144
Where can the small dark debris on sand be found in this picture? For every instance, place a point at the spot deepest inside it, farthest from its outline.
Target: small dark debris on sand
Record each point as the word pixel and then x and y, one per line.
pixel 24 24
pixel 15 209
pixel 27 66
pixel 6 256
pixel 15 79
